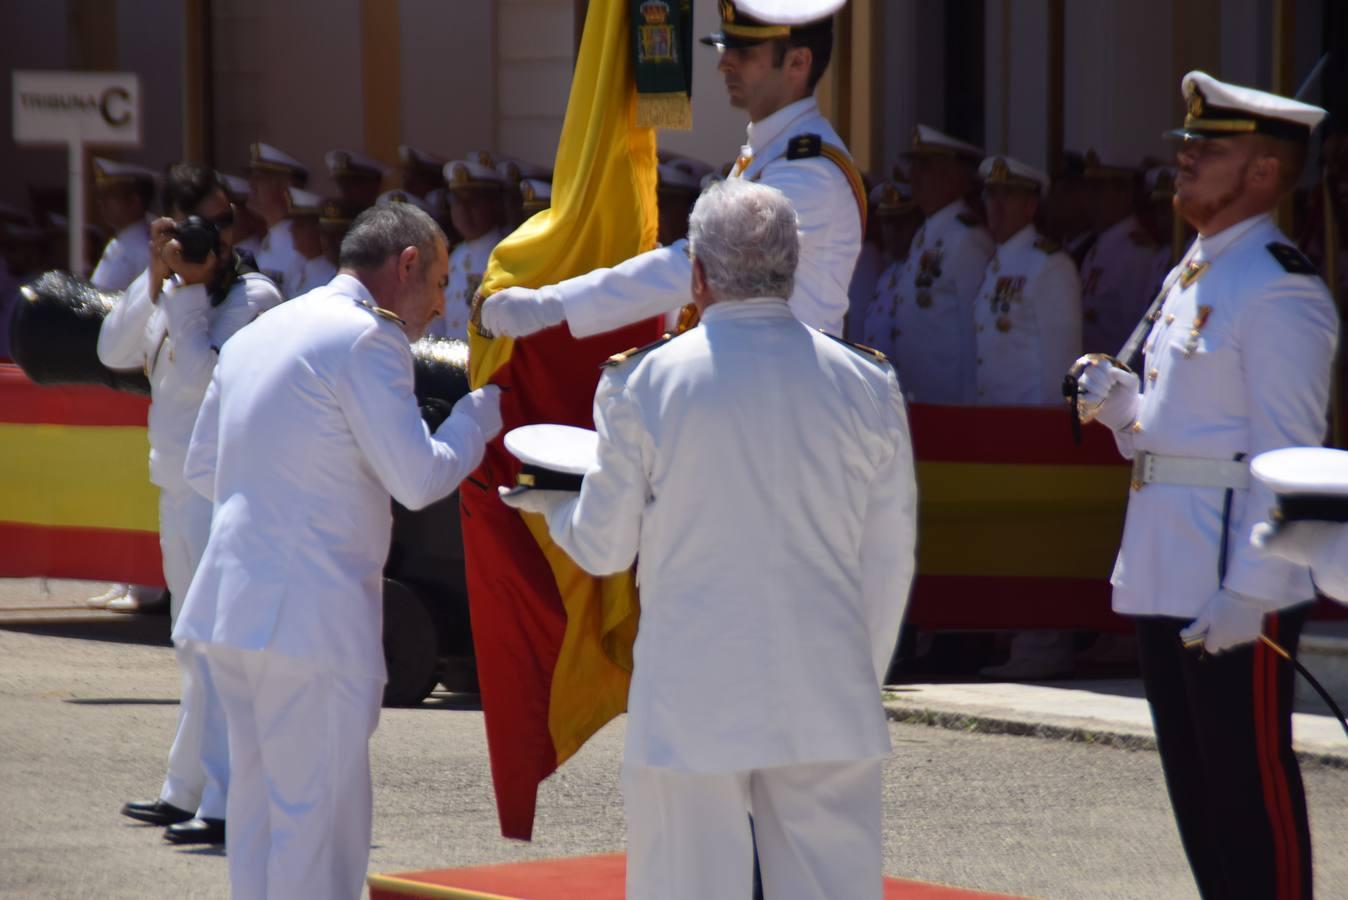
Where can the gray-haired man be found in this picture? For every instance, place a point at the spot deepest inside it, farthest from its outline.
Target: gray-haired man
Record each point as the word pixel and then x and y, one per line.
pixel 308 428
pixel 764 472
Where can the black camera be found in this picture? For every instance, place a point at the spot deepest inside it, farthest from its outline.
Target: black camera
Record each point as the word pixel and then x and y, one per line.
pixel 198 237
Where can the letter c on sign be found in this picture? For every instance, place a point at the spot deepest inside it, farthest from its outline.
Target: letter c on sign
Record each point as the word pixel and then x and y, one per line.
pixel 120 115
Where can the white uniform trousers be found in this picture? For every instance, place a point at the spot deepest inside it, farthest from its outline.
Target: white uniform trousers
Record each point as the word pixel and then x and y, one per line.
pixel 184 526
pixel 300 798
pixel 198 764
pixel 817 826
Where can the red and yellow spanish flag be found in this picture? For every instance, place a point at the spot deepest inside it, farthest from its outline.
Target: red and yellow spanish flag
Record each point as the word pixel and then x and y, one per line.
pixel 553 644
pixel 75 493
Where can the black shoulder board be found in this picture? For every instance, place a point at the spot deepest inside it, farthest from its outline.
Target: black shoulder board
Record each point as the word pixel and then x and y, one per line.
pixel 804 146
pixel 869 352
pixel 1047 245
pixel 968 219
pixel 618 359
pixel 1292 259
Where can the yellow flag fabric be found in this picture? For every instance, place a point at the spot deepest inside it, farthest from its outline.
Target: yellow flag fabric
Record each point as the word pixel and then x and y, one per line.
pixel 603 211
pixel 603 184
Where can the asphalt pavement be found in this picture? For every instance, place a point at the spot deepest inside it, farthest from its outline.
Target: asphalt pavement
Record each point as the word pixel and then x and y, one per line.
pixel 977 794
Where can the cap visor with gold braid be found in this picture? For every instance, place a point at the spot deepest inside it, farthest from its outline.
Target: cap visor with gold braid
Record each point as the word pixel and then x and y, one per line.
pixel 1216 109
pixel 745 23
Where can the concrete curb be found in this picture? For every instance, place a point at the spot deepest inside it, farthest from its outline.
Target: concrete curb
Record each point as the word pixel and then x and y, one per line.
pixel 1119 735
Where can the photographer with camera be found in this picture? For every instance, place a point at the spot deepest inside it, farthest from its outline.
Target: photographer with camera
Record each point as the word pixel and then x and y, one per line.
pixel 196 293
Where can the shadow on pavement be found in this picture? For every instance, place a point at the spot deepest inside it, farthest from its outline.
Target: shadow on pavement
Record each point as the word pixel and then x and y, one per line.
pixel 122 701
pixel 119 629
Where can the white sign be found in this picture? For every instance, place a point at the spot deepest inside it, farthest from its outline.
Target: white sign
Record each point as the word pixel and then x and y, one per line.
pixel 92 107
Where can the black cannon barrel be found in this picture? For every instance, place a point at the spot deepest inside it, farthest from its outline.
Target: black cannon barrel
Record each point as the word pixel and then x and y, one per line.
pixel 54 334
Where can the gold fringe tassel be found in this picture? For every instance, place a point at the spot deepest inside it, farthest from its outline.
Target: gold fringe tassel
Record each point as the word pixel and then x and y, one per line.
pixel 672 111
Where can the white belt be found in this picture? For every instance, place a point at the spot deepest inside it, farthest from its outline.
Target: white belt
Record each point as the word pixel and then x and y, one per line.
pixel 1151 468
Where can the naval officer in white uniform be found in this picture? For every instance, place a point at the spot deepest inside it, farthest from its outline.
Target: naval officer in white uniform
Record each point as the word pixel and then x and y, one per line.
pixel 125 192
pixel 271 175
pixel 773 53
pixel 763 472
pixel 172 323
pixel 1027 316
pixel 933 347
pixel 287 601
pixel 1237 362
pixel 477 210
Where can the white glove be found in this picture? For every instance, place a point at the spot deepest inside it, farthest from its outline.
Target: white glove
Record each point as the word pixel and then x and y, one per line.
pixel 534 500
pixel 1226 621
pixel 1301 543
pixel 1107 393
pixel 483 408
pixel 519 312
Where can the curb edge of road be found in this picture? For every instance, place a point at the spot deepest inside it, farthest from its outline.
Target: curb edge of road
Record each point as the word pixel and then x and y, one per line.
pixel 957 719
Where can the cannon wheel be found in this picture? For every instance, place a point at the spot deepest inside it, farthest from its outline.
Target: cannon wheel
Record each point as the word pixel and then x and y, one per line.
pixel 409 646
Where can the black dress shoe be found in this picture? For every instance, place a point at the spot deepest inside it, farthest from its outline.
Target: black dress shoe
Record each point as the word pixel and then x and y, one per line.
pixel 156 812
pixel 196 831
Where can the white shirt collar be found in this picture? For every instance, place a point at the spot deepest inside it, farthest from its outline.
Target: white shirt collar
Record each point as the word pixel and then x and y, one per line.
pixel 756 308
pixel 1019 240
pixel 1211 245
pixel 764 132
pixel 351 286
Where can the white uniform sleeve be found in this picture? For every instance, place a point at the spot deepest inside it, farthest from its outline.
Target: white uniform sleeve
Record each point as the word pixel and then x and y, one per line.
pixel 374 390
pixel 197 336
pixel 110 274
pixel 828 215
pixel 1057 297
pixel 601 528
pixel 889 539
pixel 121 339
pixel 1329 567
pixel 199 468
pixel 1287 340
pixel 649 284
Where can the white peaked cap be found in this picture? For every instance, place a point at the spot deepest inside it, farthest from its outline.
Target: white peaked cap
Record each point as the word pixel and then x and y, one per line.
pixel 1006 170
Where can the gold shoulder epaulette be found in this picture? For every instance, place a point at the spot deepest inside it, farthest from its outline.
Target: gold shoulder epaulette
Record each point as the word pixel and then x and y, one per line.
pixel 1047 245
pixel 618 359
pixel 869 352
pixel 383 313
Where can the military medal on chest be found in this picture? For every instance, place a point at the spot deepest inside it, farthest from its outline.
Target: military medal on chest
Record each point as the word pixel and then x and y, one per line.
pixel 1200 319
pixel 1007 291
pixel 928 270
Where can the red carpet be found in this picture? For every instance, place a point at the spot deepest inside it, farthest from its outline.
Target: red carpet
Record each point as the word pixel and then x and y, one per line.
pixel 577 878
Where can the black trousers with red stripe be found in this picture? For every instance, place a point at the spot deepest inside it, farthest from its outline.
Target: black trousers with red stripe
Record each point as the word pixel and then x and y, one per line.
pixel 1224 731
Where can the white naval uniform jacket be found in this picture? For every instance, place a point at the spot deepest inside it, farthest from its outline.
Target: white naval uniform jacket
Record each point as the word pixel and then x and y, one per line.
pixel 1117 286
pixel 1027 319
pixel 1238 363
pixel 879 328
pixel 309 426
pixel 656 282
pixel 467 261
pixel 278 259
pixel 177 341
pixel 763 472
pixel 934 346
pixel 124 257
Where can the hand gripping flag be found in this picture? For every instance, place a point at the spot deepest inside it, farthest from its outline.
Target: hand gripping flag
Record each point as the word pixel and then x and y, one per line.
pixel 553 643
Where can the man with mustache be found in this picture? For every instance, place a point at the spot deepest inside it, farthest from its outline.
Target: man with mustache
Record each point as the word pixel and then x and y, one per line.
pixel 772 56
pixel 1237 362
